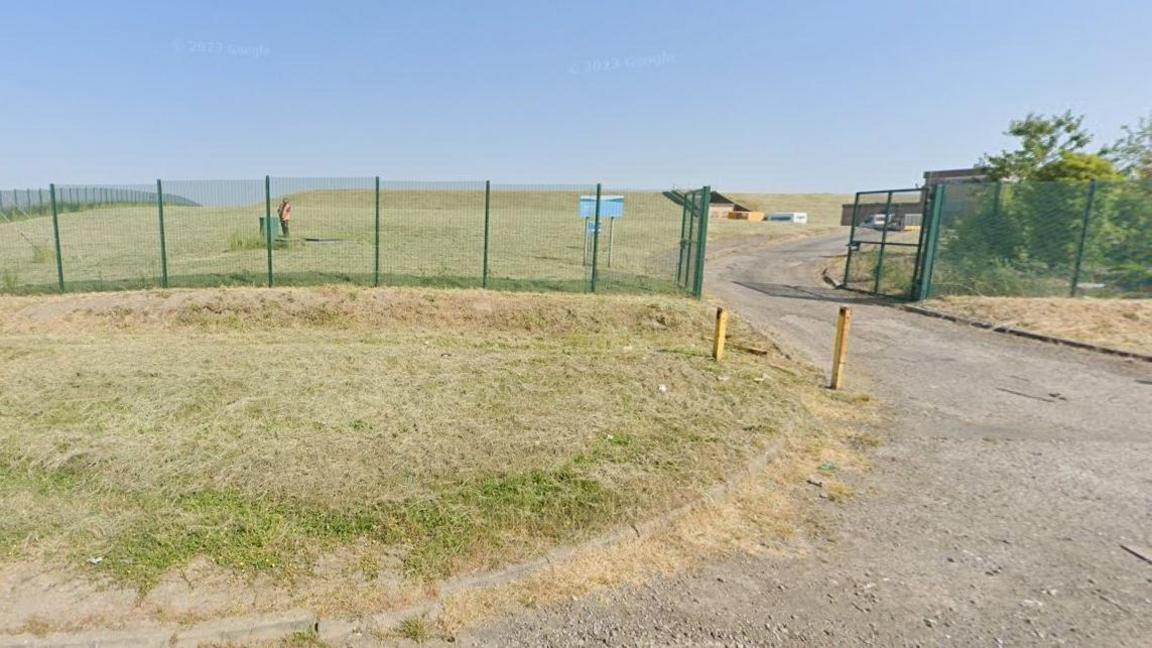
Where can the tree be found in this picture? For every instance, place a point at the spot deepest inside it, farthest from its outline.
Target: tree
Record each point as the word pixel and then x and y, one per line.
pixel 1133 151
pixel 1078 166
pixel 1043 141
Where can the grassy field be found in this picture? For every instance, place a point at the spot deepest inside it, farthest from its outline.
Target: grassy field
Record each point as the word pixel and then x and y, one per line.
pixel 447 430
pixel 823 216
pixel 1117 323
pixel 428 236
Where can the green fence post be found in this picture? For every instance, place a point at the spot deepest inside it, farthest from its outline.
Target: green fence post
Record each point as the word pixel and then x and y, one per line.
pixel 931 239
pixel 596 238
pixel 851 237
pixel 702 241
pixel 56 236
pixel 883 242
pixel 163 243
pixel 268 224
pixel 689 237
pixel 487 226
pixel 376 259
pixel 683 241
pixel 1083 237
pixel 927 193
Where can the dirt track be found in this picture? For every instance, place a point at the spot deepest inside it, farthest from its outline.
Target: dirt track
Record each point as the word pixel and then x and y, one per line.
pixel 1012 474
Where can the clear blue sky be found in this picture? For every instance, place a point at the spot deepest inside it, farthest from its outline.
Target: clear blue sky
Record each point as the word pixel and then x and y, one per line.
pixel 760 95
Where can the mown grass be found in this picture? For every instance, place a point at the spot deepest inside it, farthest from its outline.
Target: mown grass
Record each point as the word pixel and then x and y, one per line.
pixel 263 429
pixel 251 535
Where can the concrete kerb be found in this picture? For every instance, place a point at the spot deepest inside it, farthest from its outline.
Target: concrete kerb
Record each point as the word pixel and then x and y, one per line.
pixel 235 630
pixel 920 310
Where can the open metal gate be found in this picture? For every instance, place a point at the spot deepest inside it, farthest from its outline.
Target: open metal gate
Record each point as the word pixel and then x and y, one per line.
pixel 693 240
pixel 888 231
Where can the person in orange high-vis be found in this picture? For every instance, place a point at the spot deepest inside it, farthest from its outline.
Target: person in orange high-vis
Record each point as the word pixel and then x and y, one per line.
pixel 285 214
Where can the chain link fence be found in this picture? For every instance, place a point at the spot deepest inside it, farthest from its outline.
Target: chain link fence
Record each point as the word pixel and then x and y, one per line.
pixel 359 230
pixel 1040 239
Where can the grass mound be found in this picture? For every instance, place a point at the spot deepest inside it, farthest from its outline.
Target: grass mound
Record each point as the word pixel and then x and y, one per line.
pixel 451 431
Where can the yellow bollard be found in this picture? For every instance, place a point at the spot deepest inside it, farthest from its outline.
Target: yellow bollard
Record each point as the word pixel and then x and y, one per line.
pixel 843 323
pixel 721 332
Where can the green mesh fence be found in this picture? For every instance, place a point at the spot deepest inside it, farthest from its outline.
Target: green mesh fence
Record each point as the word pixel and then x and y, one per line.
pixel 1043 239
pixel 351 230
pixel 212 233
pixel 884 242
pixel 94 250
pixel 27 246
pixel 638 251
pixel 538 239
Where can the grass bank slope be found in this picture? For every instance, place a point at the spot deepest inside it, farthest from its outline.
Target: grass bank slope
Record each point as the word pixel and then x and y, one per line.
pixel 425 432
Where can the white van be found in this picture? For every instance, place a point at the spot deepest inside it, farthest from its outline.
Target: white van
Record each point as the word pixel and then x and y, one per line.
pixel 789 217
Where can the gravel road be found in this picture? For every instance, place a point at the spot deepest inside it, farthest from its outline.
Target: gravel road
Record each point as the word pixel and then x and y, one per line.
pixel 1011 476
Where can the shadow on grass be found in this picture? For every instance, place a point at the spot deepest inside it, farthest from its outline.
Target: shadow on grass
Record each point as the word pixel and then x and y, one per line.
pixel 613 284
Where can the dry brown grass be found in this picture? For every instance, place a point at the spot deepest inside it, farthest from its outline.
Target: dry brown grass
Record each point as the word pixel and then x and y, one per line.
pixel 1117 323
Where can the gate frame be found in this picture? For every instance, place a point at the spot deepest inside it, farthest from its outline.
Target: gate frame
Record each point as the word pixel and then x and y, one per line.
pixel 854 245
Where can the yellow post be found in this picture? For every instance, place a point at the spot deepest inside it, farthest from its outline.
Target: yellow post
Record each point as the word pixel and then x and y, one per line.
pixel 843 323
pixel 721 332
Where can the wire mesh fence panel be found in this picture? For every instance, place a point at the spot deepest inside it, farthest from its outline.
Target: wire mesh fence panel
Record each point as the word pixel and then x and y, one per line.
pixel 323 230
pixel 352 230
pixel 110 238
pixel 1116 258
pixel 21 204
pixel 214 233
pixel 1003 239
pixel 432 233
pixel 639 241
pixel 27 246
pixel 860 272
pixel 885 241
pixel 540 239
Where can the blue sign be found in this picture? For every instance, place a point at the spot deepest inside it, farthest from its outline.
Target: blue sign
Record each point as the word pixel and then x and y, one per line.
pixel 610 206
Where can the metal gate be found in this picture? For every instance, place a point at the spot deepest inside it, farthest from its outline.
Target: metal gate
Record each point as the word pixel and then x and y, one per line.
pixel 884 247
pixel 693 239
